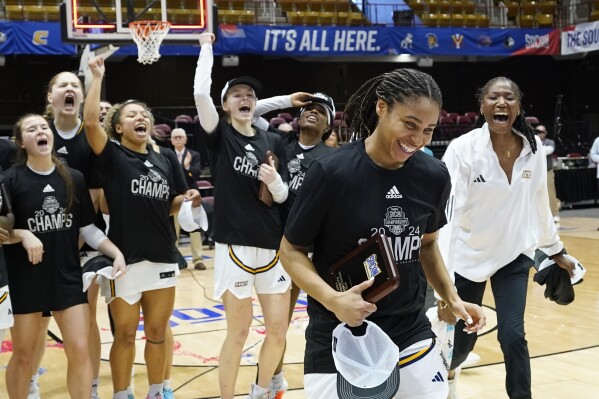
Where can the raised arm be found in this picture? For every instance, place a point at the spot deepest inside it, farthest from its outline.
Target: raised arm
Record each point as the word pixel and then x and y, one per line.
pixel 96 136
pixel 201 85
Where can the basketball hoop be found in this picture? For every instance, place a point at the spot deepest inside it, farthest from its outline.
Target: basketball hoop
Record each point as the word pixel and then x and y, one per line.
pixel 148 36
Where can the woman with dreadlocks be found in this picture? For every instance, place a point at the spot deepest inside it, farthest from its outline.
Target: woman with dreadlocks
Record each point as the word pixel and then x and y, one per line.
pixel 499 214
pixel 379 184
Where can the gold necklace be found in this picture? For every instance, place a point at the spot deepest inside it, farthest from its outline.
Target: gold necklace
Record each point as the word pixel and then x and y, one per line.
pixel 508 153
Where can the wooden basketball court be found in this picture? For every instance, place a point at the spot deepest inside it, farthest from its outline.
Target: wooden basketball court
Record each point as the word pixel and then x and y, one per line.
pixel 563 340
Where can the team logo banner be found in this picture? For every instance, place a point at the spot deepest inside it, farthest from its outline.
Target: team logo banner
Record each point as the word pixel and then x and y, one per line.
pixel 45 38
pixel 581 39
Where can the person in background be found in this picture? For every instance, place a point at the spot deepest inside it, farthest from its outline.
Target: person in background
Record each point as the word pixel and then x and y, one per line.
pixel 407 193
pixel 498 215
pixel 594 154
pixel 333 139
pixel 192 167
pixel 247 230
pixel 104 108
pixel 549 147
pixel 285 127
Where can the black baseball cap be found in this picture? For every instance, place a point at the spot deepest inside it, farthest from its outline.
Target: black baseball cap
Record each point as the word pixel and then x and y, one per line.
pixel 324 100
pixel 242 80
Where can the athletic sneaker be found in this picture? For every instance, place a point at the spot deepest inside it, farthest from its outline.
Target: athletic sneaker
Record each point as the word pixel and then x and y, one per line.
pixel 167 393
pixel 95 396
pixel 471 360
pixel 254 395
pixel 277 392
pixel 157 395
pixel 34 390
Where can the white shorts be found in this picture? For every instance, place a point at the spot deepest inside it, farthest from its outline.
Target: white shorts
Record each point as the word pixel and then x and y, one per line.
pixel 140 277
pixel 6 317
pixel 238 268
pixel 422 376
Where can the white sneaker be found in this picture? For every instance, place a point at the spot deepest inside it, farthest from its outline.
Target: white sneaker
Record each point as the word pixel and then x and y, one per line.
pixel 277 392
pixel 256 395
pixel 471 360
pixel 34 391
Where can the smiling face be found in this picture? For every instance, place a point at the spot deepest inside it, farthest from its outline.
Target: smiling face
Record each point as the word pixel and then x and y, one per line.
pixel 314 117
pixel 500 105
pixel 134 125
pixel 65 94
pixel 403 129
pixel 35 136
pixel 240 102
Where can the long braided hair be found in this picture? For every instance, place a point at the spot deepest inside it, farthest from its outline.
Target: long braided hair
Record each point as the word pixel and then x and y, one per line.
pixel 520 123
pixel 400 85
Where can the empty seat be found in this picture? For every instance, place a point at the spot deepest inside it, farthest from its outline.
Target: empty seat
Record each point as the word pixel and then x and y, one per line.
pixel 533 120
pixel 163 127
pixel 276 121
pixel 470 20
pixel 205 187
pixel 285 115
pixel 545 20
pixel 526 21
pixel 547 6
pixel 184 118
pixel 464 120
pixel 446 120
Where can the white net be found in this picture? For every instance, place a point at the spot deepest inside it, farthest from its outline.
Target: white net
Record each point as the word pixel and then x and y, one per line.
pixel 148 36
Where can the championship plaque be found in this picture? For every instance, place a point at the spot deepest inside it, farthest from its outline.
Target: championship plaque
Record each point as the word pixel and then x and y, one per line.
pixel 373 258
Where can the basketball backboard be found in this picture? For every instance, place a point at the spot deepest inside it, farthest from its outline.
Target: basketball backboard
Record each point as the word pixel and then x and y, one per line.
pixel 107 21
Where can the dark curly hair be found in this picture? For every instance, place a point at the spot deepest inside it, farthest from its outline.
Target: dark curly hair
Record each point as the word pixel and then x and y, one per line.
pixel 401 85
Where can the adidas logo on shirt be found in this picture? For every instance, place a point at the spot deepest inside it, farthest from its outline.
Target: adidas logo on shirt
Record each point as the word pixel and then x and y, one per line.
pixel 480 179
pixel 48 189
pixel 438 377
pixel 281 279
pixel 393 193
pixel 148 164
pixel 249 147
pixel 62 150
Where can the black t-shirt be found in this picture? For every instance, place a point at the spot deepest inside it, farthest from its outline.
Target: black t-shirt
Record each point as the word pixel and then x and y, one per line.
pixel 77 154
pixel 139 190
pixel 345 199
pixel 3 212
pixel 39 204
pixel 298 163
pixel 239 216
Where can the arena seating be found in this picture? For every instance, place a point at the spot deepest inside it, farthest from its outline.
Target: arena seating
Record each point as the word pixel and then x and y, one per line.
pixel 443 13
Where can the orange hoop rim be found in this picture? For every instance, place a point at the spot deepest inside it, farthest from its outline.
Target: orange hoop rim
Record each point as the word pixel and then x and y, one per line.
pixel 148 26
